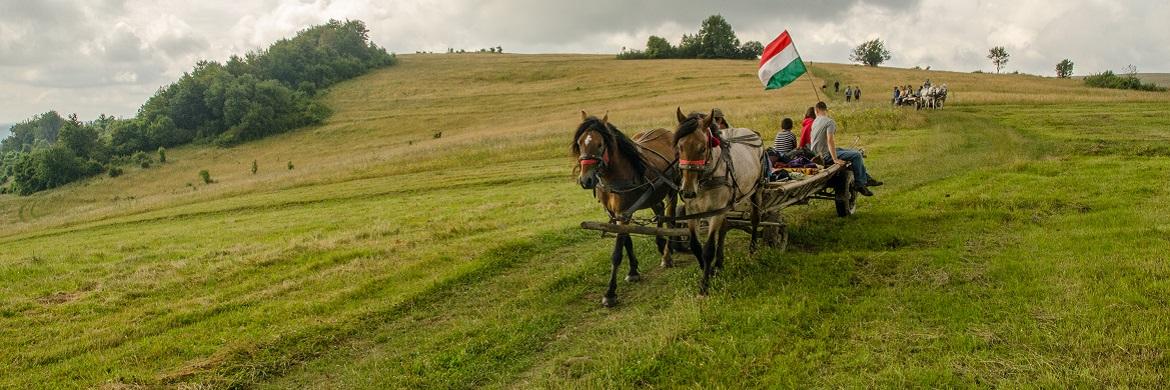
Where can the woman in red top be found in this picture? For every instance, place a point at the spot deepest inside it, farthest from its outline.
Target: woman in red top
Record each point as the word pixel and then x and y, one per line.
pixel 806 128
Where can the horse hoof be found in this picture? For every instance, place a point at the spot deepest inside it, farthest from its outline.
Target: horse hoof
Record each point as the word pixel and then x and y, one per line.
pixel 609 301
pixel 633 278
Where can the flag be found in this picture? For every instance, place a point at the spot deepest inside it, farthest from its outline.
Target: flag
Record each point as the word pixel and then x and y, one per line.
pixel 780 64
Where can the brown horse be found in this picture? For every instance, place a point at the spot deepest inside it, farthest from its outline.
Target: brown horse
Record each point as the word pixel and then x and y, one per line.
pixel 626 176
pixel 718 174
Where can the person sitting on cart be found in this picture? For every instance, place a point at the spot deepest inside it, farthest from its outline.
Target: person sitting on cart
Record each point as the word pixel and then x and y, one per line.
pixel 824 145
pixel 785 141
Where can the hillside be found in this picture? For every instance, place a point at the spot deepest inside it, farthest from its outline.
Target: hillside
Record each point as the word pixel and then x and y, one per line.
pixel 1162 79
pixel 1019 241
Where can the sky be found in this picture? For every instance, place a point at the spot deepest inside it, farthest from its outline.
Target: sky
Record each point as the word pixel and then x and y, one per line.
pixel 109 56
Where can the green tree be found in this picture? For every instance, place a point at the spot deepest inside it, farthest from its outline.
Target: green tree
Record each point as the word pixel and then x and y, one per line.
pixel 717 39
pixel 751 50
pixel 49 167
pixel 43 127
pixel 80 139
pixel 999 57
pixel 1064 69
pixel 870 53
pixel 658 47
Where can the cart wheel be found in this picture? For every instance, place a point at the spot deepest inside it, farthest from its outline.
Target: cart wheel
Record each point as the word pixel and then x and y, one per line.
pixel 846 196
pixel 775 237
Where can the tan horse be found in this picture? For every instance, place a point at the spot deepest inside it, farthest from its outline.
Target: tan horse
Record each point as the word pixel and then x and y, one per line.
pixel 715 180
pixel 626 176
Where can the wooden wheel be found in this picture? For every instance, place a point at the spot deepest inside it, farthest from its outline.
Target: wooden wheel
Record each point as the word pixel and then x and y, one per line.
pixel 846 196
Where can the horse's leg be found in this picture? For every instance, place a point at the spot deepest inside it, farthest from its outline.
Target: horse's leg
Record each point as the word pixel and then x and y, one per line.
pixel 715 224
pixel 696 248
pixel 719 250
pixel 610 298
pixel 667 262
pixel 658 240
pixel 633 275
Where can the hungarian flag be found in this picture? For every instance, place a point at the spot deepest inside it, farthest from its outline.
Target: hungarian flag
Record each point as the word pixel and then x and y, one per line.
pixel 780 65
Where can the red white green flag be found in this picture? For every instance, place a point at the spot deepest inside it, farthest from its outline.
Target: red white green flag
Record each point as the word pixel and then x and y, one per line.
pixel 780 64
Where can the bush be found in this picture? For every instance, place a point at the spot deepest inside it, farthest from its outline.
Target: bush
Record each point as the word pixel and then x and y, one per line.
pixel 1107 79
pixel 290 166
pixel 115 171
pixel 254 167
pixel 142 159
pixel 162 155
pixel 205 176
pixel 51 167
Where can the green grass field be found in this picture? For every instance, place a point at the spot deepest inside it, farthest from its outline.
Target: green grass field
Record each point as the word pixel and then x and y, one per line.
pixel 1021 240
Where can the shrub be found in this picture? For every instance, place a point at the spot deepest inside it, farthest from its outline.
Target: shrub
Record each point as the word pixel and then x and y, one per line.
pixel 254 167
pixel 290 166
pixel 142 159
pixel 205 176
pixel 162 155
pixel 115 171
pixel 1108 79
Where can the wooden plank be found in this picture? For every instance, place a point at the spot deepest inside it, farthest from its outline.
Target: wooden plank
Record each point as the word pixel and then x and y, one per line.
pixel 635 229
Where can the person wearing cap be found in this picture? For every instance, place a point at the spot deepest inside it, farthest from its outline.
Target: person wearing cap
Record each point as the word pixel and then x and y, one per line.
pixel 720 121
pixel 824 145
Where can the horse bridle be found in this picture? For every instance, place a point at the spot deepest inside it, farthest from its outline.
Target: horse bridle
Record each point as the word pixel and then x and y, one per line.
pixel 705 165
pixel 592 159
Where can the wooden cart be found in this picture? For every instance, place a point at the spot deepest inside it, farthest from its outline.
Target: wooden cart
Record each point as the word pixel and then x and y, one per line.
pixel 832 183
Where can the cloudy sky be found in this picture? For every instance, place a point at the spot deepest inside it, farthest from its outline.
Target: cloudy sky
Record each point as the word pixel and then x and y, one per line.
pixel 108 56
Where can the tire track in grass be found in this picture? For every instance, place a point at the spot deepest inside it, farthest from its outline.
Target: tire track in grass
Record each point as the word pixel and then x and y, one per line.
pixel 248 365
pixel 487 332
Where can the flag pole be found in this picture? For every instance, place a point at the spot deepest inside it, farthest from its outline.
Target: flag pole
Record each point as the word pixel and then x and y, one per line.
pixel 808 71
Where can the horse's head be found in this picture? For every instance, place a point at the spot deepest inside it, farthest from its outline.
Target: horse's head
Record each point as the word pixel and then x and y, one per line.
pixel 591 147
pixel 693 146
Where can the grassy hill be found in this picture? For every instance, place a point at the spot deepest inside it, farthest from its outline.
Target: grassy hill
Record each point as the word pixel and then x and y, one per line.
pixel 1020 240
pixel 1162 79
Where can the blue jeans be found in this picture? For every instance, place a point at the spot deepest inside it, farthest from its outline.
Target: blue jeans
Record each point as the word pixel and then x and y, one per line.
pixel 860 175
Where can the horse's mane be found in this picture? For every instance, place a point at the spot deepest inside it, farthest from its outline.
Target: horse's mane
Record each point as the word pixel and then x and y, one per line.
pixel 625 145
pixel 688 126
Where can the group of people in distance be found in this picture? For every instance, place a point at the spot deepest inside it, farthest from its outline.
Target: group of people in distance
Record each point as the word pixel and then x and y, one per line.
pixel 851 92
pixel 817 138
pixel 906 93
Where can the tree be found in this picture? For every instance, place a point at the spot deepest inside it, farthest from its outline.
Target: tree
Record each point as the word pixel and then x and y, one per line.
pixel 1064 69
pixel 717 39
pixel 870 53
pixel 658 47
pixel 751 50
pixel 80 139
pixel 999 57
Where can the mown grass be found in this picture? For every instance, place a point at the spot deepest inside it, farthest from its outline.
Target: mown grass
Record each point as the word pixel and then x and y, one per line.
pixel 1015 244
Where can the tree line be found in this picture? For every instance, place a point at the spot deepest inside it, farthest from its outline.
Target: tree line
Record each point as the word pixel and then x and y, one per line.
pixel 262 93
pixel 715 39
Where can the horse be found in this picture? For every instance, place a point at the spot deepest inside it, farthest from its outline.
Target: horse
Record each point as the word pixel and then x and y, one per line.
pixel 626 175
pixel 718 174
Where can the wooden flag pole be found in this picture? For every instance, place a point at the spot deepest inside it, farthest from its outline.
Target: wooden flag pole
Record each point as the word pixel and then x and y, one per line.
pixel 807 71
